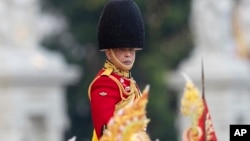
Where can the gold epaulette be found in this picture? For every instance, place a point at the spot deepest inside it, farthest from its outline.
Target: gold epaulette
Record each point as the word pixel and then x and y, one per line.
pixel 107 71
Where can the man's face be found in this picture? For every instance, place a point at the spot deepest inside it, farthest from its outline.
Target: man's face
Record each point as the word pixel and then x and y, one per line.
pixel 125 55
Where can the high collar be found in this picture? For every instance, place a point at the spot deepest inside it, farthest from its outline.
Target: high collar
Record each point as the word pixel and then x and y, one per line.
pixel 109 65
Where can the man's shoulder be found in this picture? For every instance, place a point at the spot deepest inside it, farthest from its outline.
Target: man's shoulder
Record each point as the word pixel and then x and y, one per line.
pixel 104 73
pixel 103 79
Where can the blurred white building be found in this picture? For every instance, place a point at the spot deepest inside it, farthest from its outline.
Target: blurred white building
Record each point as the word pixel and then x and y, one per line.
pixel 32 80
pixel 221 32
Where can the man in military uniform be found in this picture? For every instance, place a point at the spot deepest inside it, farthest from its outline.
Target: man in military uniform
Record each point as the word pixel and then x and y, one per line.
pixel 120 34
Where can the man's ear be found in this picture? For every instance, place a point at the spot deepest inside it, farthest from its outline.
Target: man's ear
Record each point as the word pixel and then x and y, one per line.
pixel 108 54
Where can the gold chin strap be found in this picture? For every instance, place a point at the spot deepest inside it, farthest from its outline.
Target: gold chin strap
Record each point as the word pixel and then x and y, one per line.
pixel 118 63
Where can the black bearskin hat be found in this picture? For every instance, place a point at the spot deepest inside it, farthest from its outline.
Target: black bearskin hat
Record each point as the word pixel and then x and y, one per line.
pixel 121 26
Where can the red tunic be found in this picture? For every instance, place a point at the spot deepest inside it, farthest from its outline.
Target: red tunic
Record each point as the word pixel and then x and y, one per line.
pixel 105 92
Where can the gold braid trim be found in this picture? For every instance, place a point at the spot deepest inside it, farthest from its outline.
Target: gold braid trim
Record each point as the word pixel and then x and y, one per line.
pixel 130 96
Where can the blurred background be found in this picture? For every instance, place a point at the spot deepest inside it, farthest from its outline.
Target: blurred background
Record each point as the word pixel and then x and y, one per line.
pixel 49 56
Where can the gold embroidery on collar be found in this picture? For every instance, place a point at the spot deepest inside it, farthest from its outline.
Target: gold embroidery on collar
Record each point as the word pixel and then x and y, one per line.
pixel 115 69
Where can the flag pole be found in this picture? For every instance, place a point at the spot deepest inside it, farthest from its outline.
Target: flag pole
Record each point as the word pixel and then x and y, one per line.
pixel 203 100
pixel 203 79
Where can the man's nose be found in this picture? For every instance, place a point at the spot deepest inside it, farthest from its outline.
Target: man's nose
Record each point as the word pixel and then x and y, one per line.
pixel 128 53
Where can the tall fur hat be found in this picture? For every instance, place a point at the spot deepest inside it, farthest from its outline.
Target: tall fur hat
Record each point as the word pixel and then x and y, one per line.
pixel 121 26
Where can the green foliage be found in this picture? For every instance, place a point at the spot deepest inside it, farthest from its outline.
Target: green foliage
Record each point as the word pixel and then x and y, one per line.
pixel 168 41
